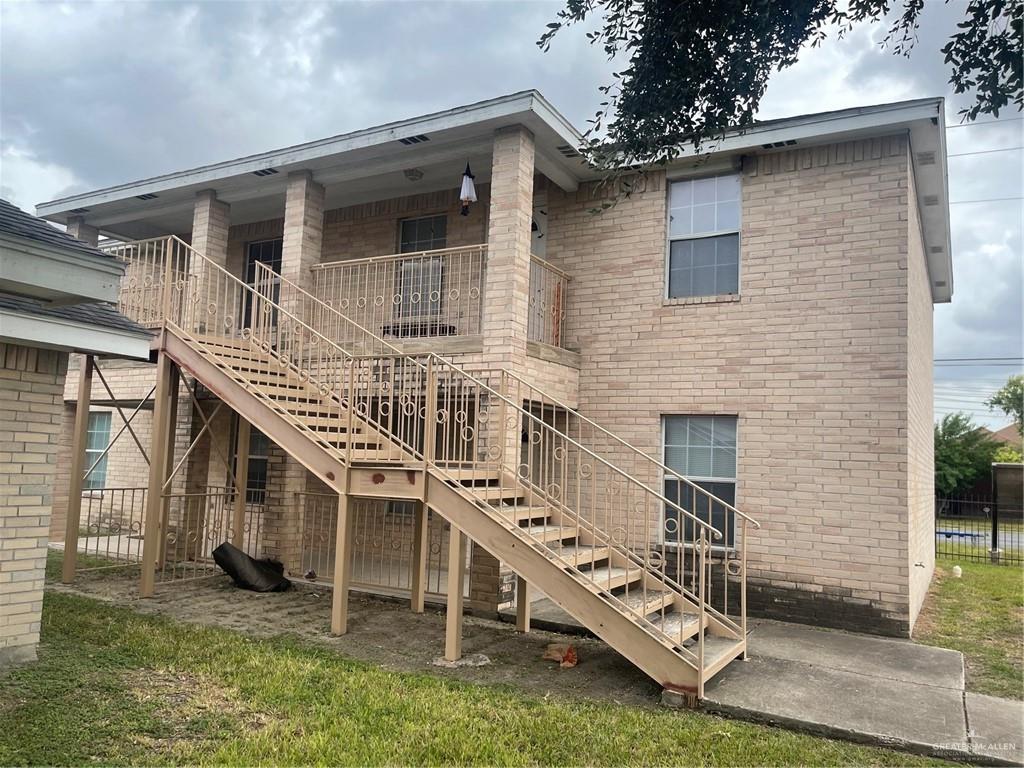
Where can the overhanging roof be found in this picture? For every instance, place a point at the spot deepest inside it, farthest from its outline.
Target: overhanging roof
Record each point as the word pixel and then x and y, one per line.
pixel 354 167
pixel 368 165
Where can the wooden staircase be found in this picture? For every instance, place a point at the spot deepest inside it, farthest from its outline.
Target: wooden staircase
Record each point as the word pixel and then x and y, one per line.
pixel 384 424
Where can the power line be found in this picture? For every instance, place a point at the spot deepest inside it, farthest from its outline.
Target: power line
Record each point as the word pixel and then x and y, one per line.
pixel 986 122
pixel 990 200
pixel 985 151
pixel 972 359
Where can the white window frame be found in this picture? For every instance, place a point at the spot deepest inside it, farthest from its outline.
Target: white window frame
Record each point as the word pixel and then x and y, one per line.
pixel 672 179
pixel 412 219
pixel 734 480
pixel 91 454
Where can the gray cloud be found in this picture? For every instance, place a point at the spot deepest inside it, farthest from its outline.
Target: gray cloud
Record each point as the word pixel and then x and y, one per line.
pixel 100 93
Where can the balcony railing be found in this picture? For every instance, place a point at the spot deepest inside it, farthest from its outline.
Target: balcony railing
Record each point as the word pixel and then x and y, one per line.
pixel 419 295
pixel 409 295
pixel 548 288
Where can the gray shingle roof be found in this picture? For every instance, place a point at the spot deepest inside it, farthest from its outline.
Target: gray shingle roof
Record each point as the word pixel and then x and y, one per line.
pixel 96 314
pixel 18 223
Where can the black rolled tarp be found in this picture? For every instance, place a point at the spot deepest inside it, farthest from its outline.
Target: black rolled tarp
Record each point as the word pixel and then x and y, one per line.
pixel 249 573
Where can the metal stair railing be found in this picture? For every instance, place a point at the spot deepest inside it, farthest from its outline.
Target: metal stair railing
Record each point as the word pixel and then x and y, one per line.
pixel 462 428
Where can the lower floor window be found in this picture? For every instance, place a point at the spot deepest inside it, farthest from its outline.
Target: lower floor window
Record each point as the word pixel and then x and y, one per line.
pixel 701 449
pixel 97 438
pixel 259 449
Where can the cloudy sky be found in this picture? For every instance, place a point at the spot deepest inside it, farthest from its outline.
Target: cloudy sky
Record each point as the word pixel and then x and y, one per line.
pixel 96 94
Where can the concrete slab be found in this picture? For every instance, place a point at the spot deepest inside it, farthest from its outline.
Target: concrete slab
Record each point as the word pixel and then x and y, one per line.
pixel 996 728
pixel 841 703
pixel 877 656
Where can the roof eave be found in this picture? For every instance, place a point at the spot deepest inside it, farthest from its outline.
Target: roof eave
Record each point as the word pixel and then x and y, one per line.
pixel 523 103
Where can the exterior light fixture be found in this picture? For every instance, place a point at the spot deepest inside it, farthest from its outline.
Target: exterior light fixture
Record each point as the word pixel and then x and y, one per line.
pixel 468 193
pixel 413 174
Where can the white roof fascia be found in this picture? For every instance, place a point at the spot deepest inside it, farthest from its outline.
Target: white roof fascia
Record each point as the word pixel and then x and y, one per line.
pixel 68 336
pixel 820 127
pixel 493 109
pixel 76 275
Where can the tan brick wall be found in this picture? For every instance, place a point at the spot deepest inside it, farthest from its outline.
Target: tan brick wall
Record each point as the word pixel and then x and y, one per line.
pixel 812 358
pixel 31 387
pixel 920 415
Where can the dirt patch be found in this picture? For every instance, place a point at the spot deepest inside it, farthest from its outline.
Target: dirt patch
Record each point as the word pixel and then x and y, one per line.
pixel 388 633
pixel 187 708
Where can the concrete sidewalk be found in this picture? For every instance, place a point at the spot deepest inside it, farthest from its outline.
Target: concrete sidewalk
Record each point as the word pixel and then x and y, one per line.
pixel 857 687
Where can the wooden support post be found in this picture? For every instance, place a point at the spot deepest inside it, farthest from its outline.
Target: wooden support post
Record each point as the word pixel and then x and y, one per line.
pixel 241 481
pixel 420 541
pixel 77 478
pixel 342 568
pixel 456 579
pixel 162 407
pixel 172 436
pixel 522 605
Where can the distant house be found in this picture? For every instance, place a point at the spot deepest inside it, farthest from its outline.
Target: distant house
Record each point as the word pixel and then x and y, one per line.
pixel 54 299
pixel 1008 435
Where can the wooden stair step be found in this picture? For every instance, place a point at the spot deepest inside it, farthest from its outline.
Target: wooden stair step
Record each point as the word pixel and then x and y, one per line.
pixel 547 533
pixel 679 626
pixel 719 651
pixel 494 493
pixel 647 602
pixel 577 554
pixel 612 577
pixel 522 513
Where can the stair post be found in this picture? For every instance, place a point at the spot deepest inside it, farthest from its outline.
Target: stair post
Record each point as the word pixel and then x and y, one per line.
pixel 244 432
pixel 420 542
pixel 456 580
pixel 77 479
pixel 522 605
pixel 342 563
pixel 158 470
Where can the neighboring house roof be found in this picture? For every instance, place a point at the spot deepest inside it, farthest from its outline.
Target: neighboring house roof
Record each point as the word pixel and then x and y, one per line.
pixel 18 223
pixel 1009 435
pixel 92 313
pixel 368 164
pixel 55 291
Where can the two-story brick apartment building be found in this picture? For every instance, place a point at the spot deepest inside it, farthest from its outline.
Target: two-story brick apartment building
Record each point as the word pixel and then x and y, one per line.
pixel 745 340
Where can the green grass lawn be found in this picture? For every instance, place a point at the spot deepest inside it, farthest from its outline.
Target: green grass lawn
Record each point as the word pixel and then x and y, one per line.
pixel 115 687
pixel 55 561
pixel 981 615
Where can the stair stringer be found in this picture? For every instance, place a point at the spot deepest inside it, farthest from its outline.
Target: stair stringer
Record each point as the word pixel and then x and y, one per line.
pixel 294 440
pixel 627 636
pixel 653 656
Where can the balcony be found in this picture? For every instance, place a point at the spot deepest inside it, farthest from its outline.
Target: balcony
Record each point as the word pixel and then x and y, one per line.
pixel 435 294
pixel 419 299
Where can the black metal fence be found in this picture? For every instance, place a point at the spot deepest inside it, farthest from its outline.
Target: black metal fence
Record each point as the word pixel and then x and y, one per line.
pixel 972 528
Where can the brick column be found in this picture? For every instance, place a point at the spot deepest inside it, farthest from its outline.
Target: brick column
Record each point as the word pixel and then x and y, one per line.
pixel 506 291
pixel 507 283
pixel 300 250
pixel 506 307
pixel 303 228
pixel 210 222
pixel 85 232
pixel 32 394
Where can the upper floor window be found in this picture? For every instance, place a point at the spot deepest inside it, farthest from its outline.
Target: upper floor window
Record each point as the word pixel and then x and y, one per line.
pixel 420 277
pixel 425 234
pixel 96 440
pixel 704 236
